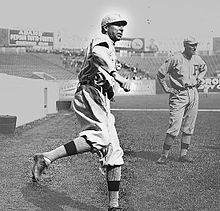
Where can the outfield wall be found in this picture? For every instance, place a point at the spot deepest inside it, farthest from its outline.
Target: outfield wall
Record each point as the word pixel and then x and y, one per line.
pixel 138 87
pixel 28 99
pixel 210 84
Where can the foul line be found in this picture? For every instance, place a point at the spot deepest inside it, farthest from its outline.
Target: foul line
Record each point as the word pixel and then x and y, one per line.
pixel 158 109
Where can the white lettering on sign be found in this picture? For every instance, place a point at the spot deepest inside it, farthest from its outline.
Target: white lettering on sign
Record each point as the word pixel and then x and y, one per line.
pixel 210 84
pixel 30 32
pixel 25 43
pixel 68 89
pixel 32 38
pixel 17 37
pixel 46 39
pixel 25 37
pixel 215 81
pixel 123 44
pixel 43 44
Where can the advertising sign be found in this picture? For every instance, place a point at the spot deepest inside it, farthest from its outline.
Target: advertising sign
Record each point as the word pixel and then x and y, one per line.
pixel 138 87
pixel 210 85
pixel 30 38
pixel 132 44
pixel 67 89
pixel 3 37
pixel 216 44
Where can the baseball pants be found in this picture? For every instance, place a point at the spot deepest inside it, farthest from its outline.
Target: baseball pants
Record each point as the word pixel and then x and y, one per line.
pixel 97 122
pixel 183 111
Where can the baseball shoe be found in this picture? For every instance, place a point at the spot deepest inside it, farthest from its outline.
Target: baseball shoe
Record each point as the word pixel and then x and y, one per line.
pixel 114 208
pixel 38 167
pixel 185 159
pixel 105 154
pixel 162 159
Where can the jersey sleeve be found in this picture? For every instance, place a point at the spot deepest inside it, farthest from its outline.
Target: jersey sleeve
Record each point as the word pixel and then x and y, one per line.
pixel 101 55
pixel 165 67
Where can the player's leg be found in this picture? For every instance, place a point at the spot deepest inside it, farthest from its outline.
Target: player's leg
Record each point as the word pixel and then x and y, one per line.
pixel 168 142
pixel 185 143
pixel 101 132
pixel 188 125
pixel 43 160
pixel 113 177
pixel 116 157
pixel 113 165
pixel 175 121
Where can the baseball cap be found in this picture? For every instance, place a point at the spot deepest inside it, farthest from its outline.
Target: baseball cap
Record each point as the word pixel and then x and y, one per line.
pixel 113 18
pixel 190 40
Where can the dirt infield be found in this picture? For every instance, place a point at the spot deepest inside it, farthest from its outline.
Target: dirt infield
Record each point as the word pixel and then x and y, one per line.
pixel 74 183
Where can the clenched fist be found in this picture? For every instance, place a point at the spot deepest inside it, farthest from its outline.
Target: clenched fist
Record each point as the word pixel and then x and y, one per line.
pixel 126 86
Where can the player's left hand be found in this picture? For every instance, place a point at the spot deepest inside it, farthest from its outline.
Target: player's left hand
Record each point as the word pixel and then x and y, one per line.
pixel 199 83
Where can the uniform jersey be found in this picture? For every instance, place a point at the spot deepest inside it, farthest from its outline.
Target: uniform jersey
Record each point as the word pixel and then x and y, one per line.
pixel 99 66
pixel 183 74
pixel 91 105
pixel 182 71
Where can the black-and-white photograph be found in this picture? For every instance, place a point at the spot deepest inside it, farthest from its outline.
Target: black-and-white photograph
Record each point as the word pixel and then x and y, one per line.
pixel 110 105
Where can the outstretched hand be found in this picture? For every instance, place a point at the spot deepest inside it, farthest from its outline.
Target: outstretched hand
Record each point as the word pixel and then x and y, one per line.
pixel 126 86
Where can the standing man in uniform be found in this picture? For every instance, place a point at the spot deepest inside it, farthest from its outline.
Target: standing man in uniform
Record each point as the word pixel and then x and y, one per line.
pixel 92 106
pixel 185 70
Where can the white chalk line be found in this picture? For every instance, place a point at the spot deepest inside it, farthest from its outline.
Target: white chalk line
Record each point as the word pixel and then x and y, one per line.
pixel 158 109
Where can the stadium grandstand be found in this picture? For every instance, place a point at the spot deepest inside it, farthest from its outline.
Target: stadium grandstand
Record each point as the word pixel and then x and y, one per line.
pixel 150 64
pixel 40 58
pixel 30 65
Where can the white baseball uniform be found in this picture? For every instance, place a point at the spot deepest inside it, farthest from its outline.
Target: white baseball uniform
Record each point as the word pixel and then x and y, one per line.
pixel 183 74
pixel 91 102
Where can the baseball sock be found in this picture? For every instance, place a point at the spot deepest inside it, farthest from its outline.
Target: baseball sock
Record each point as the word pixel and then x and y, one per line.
pixel 78 145
pixel 167 144
pixel 185 142
pixel 113 180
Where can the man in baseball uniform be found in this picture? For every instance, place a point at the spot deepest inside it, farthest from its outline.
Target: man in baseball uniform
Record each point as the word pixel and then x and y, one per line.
pixel 185 71
pixel 92 106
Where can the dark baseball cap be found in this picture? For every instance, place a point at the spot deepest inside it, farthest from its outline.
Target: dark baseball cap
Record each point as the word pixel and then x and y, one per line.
pixel 113 18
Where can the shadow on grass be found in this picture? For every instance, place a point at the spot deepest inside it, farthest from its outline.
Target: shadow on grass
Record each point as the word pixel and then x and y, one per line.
pixel 212 147
pixel 47 200
pixel 148 155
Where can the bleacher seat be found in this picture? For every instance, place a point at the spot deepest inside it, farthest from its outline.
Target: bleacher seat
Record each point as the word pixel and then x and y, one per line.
pixel 151 64
pixel 24 64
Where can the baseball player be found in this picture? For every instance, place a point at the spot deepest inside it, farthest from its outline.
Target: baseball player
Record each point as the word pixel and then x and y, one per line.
pixel 92 106
pixel 185 71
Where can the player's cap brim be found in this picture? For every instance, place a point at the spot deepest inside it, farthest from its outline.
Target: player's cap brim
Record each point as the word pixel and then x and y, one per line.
pixel 122 22
pixel 113 18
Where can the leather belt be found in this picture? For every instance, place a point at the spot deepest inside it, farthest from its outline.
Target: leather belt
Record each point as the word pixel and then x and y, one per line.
pixel 109 91
pixel 91 83
pixel 186 87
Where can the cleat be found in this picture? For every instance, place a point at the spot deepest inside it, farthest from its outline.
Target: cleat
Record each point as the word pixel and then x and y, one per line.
pixel 162 160
pixel 105 154
pixel 114 208
pixel 185 159
pixel 38 167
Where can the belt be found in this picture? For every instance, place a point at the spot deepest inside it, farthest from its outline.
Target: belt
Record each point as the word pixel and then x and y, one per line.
pixel 91 83
pixel 109 91
pixel 186 87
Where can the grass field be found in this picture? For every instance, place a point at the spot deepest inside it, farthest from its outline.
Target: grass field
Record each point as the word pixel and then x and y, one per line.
pixel 74 183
